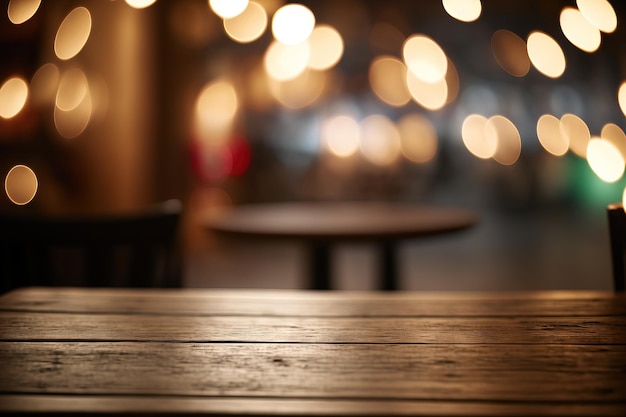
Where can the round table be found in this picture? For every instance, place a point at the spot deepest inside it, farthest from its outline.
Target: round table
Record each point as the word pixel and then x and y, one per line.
pixel 322 224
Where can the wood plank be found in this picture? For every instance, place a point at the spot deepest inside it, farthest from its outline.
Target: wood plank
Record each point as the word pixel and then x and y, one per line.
pixel 575 373
pixel 116 327
pixel 248 406
pixel 311 303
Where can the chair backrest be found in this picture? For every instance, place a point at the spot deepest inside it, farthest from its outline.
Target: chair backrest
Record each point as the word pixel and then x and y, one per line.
pixel 617 234
pixel 123 250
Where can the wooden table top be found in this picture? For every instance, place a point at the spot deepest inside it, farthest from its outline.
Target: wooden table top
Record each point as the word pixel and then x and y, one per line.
pixel 285 352
pixel 342 220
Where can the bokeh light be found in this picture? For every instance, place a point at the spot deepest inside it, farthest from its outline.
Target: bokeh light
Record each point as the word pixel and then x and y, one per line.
pixel 299 92
pixel 215 111
pixel 463 10
pixel 614 134
pixel 546 54
pixel 475 139
pixel 380 140
pixel 599 13
pixel 140 4
pixel 387 77
pixel 507 138
pixel 418 138
pixel 579 31
pixel 73 33
pixel 73 86
pixel 549 135
pixel 326 47
pixel 431 96
pixel 13 96
pixel 73 121
pixel 73 105
pixel 576 132
pixel 621 97
pixel 19 11
pixel 341 135
pixel 21 184
pixel 297 72
pixel 212 162
pixel 453 83
pixel 240 155
pixel 285 62
pixel 227 9
pixel 425 59
pixel 510 52
pixel 605 160
pixel 249 25
pixel 44 84
pixel 293 24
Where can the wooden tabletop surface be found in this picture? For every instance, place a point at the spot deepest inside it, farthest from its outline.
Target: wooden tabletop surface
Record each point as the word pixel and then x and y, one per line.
pixel 341 220
pixel 284 352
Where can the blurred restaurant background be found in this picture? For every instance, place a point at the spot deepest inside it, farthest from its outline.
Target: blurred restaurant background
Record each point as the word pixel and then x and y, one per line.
pixel 515 108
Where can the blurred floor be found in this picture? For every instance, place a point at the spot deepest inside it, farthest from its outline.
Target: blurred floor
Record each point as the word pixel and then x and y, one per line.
pixel 504 252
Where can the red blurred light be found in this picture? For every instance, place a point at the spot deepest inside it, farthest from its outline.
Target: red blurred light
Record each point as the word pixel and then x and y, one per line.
pixel 240 152
pixel 215 164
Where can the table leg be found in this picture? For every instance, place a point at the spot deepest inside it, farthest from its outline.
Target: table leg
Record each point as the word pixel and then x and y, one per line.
pixel 319 266
pixel 388 267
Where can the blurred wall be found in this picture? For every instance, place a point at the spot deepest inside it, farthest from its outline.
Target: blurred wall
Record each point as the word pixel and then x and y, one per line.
pixel 118 149
pixel 110 165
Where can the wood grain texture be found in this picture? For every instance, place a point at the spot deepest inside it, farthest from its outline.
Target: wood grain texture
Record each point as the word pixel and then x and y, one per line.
pixel 312 303
pixel 246 406
pixel 248 352
pixel 426 372
pixel 435 330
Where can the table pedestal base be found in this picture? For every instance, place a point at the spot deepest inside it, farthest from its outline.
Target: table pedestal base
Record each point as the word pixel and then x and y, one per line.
pixel 320 266
pixel 388 267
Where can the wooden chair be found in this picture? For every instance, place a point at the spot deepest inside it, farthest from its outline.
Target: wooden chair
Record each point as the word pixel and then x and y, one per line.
pixel 617 233
pixel 123 250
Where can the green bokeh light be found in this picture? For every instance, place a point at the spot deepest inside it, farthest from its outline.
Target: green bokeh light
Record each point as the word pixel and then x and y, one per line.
pixel 585 188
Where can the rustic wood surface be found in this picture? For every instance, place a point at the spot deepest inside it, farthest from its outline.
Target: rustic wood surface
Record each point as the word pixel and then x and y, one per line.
pixel 258 329
pixel 199 302
pixel 248 352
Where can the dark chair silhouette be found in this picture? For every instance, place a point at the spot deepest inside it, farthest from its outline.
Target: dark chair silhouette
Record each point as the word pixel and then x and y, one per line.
pixel 123 250
pixel 617 234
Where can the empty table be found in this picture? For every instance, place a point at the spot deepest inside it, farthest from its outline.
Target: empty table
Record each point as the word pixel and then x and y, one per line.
pixel 320 225
pixel 201 352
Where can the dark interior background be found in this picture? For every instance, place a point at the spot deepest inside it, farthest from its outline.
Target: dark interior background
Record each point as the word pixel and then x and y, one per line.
pixel 543 218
